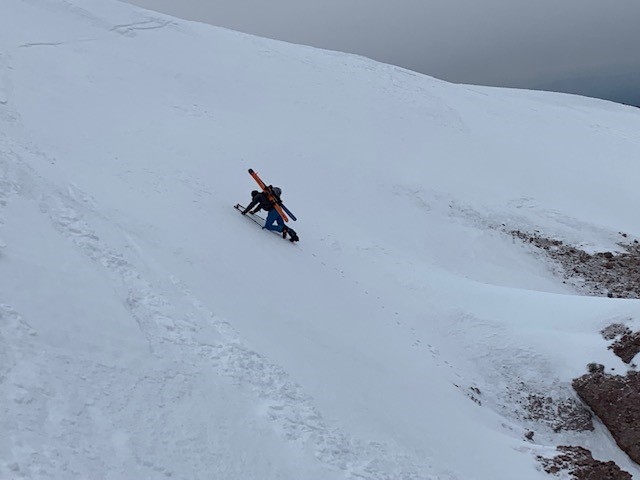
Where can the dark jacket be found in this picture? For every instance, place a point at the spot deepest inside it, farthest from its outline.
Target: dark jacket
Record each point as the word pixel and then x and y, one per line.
pixel 262 200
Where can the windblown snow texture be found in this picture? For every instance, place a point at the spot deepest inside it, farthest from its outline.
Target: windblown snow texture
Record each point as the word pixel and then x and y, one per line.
pixel 147 332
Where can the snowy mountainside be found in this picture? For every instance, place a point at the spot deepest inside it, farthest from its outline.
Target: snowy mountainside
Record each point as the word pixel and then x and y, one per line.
pixel 149 331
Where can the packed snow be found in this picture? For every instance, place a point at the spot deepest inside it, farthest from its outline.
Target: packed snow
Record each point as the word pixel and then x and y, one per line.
pixel 149 331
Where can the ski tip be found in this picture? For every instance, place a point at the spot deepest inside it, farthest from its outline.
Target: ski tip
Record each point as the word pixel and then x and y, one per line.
pixel 251 170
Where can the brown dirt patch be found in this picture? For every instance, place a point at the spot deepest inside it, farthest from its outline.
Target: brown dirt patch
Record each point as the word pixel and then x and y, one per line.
pixel 615 275
pixel 580 464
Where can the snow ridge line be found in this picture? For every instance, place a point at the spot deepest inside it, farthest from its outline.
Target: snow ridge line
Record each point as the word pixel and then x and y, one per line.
pixel 292 411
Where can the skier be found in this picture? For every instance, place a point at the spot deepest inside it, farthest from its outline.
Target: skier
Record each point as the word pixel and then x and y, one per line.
pixel 261 201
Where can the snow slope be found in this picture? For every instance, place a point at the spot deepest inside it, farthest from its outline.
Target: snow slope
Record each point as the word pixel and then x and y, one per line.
pixel 149 331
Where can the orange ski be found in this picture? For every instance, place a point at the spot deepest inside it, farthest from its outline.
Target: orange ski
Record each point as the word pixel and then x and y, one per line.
pixel 269 195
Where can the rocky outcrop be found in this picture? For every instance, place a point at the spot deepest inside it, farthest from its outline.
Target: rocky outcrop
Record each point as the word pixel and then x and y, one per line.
pixel 615 399
pixel 556 411
pixel 616 275
pixel 626 344
pixel 559 414
pixel 627 347
pixel 579 463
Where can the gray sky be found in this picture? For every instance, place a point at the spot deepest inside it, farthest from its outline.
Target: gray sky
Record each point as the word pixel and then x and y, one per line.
pixel 590 47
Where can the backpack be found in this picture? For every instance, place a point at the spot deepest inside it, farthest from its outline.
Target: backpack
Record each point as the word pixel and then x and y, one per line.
pixel 275 191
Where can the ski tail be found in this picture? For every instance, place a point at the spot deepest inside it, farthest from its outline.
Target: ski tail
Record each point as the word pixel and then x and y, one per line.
pixel 291 215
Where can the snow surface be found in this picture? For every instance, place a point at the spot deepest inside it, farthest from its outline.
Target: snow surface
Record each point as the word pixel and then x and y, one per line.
pixel 148 331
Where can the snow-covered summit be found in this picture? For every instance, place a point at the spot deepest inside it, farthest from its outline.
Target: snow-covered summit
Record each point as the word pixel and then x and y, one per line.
pixel 149 331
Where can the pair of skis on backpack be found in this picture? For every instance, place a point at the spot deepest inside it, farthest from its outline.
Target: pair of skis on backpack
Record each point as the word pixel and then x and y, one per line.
pixel 282 210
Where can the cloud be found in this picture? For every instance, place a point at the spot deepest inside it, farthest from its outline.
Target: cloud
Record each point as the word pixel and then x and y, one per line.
pixel 493 42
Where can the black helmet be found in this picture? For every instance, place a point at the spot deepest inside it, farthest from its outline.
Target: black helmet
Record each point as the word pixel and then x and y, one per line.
pixel 254 193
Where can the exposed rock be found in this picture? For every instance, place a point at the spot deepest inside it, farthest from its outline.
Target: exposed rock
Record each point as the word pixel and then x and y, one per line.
pixel 615 275
pixel 557 413
pixel 615 399
pixel 595 368
pixel 627 343
pixel 475 394
pixel 615 330
pixel 471 392
pixel 580 464
pixel 627 346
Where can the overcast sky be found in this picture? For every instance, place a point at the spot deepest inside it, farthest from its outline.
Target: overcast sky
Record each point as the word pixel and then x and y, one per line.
pixel 590 47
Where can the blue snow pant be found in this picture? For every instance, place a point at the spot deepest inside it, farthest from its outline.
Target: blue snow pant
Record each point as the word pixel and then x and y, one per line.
pixel 274 216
